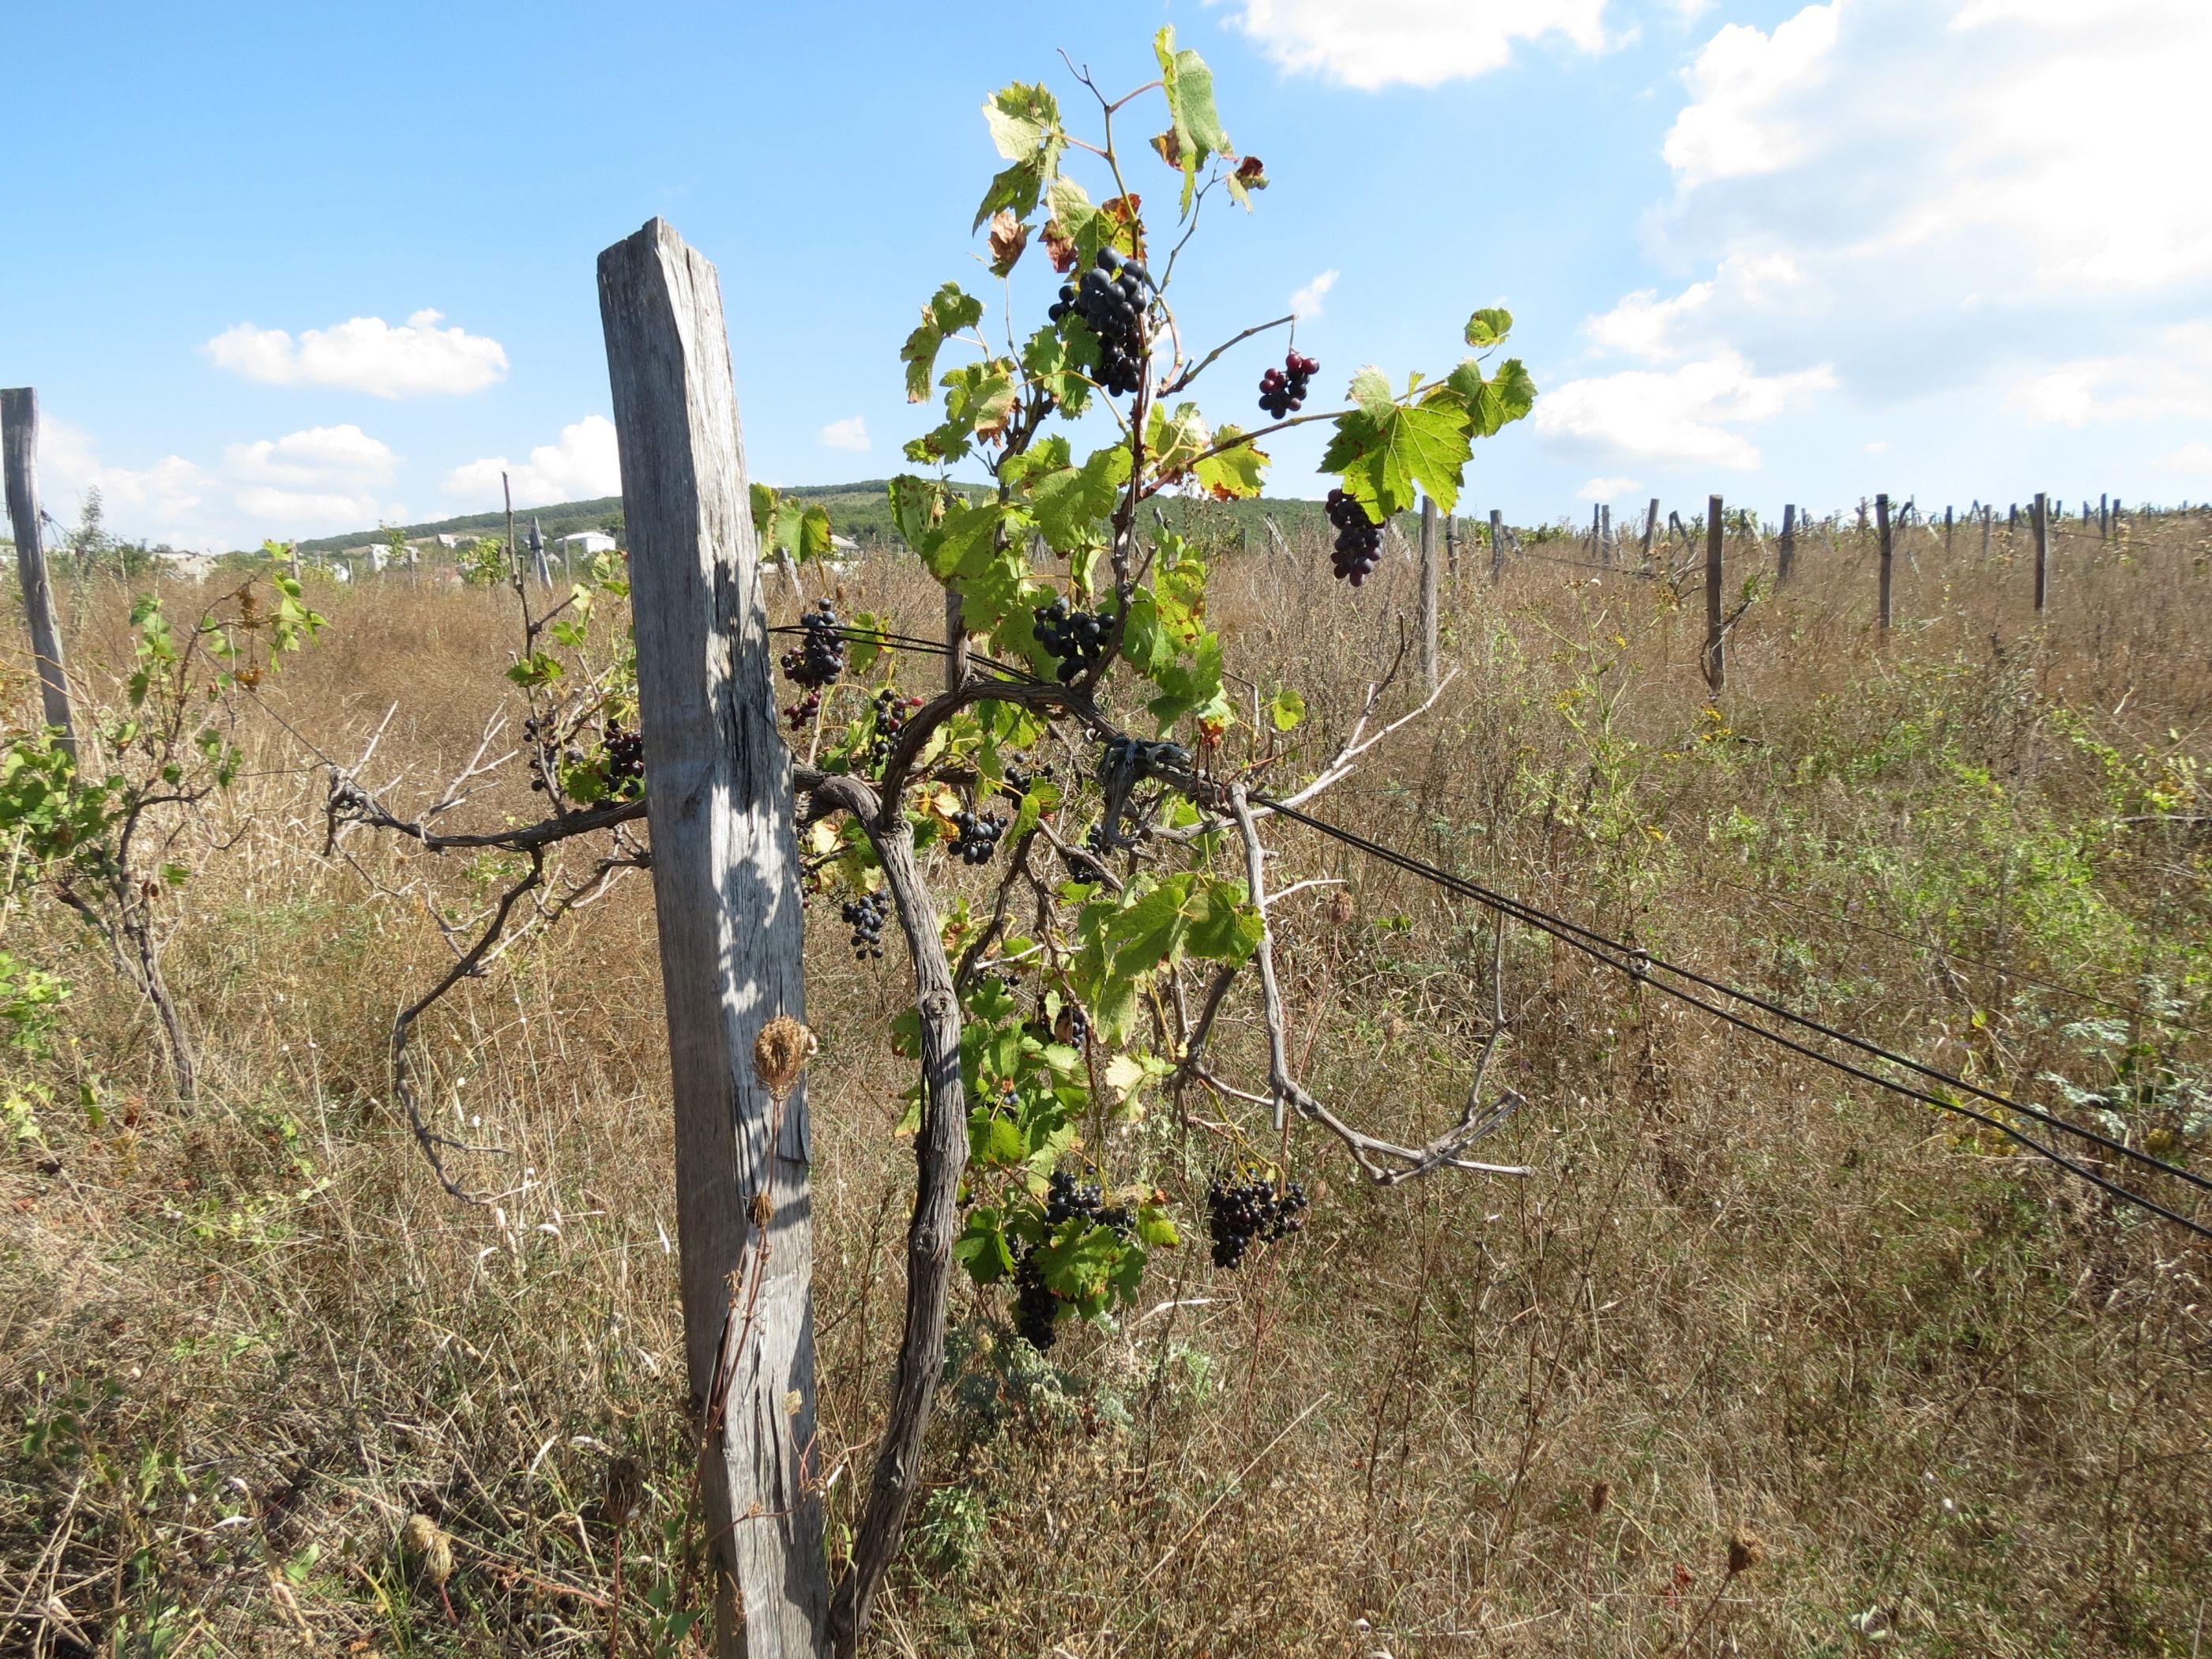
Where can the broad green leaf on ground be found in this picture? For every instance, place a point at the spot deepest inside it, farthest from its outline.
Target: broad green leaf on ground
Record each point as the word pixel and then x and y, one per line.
pixel 1384 458
pixel 948 311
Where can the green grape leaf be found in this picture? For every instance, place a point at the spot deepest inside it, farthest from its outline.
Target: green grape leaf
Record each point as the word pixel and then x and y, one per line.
pixel 948 548
pixel 1068 502
pixel 1149 933
pixel 1156 1228
pixel 1024 124
pixel 979 398
pixel 1234 473
pixel 1286 709
pixel 1489 326
pixel 1224 927
pixel 981 1248
pixel 1079 219
pixel 1492 402
pixel 1383 458
pixel 948 311
pixel 916 506
pixel 1173 440
pixel 1370 389
pixel 1049 361
pixel 1196 134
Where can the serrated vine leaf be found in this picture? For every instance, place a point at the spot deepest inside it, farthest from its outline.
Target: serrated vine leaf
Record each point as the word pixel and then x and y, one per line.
pixel 1489 326
pixel 1195 136
pixel 916 506
pixel 948 311
pixel 1009 236
pixel 1385 458
pixel 1235 471
pixel 1176 438
pixel 1370 389
pixel 1492 402
pixel 1024 124
pixel 1068 502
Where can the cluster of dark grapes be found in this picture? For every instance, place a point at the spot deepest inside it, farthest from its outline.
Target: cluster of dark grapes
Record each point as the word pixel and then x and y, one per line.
pixel 1036 1309
pixel 1019 782
pixel 865 915
pixel 1072 1028
pixel 1110 299
pixel 979 836
pixel 1359 538
pixel 1282 389
pixel 892 713
pixel 625 758
pixel 819 658
pixel 1066 1199
pixel 1239 1212
pixel 1077 638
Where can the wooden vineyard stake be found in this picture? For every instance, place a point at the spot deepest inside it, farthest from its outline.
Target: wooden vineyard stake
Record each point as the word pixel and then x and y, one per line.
pixel 1651 529
pixel 1888 557
pixel 19 449
pixel 726 892
pixel 1716 662
pixel 1428 644
pixel 1786 551
pixel 2042 527
pixel 1497 545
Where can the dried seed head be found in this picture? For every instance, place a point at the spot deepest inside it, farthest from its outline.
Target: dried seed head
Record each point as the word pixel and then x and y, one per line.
pixel 1745 1552
pixel 429 1549
pixel 1339 908
pixel 780 1052
pixel 625 1487
pixel 1600 1494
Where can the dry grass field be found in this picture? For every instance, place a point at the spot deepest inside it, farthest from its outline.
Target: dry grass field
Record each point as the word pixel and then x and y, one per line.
pixel 1759 1361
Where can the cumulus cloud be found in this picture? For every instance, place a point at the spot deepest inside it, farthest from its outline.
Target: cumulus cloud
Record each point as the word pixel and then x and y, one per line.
pixel 365 354
pixel 851 432
pixel 1306 302
pixel 578 466
pixel 2190 461
pixel 1372 44
pixel 318 453
pixel 305 482
pixel 1875 195
pixel 2173 380
pixel 1687 415
pixel 1607 490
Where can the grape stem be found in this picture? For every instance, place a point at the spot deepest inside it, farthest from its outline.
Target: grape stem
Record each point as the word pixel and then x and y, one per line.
pixel 1203 363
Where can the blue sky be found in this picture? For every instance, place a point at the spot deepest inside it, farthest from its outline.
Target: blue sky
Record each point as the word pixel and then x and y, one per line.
pixel 1948 248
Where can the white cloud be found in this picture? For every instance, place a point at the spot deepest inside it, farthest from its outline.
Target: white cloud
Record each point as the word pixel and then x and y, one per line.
pixel 2175 379
pixel 1372 43
pixel 365 354
pixel 1747 89
pixel 1607 490
pixel 1875 445
pixel 1306 302
pixel 319 452
pixel 2190 461
pixel 1682 417
pixel 305 482
pixel 579 466
pixel 851 432
pixel 1896 189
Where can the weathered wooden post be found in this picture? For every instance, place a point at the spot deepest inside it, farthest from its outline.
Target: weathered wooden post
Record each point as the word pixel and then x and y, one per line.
pixel 2042 525
pixel 19 454
pixel 1888 556
pixel 1716 642
pixel 726 891
pixel 1497 545
pixel 2105 517
pixel 1651 529
pixel 1451 547
pixel 1946 530
pixel 1786 554
pixel 1988 519
pixel 1605 536
pixel 1429 643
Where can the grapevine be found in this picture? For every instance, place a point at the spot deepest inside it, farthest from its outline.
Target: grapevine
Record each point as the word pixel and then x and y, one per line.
pixel 1283 390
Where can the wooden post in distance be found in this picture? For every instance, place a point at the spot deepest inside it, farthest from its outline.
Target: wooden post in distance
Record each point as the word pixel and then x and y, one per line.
pixel 19 451
pixel 1715 664
pixel 2042 527
pixel 1888 557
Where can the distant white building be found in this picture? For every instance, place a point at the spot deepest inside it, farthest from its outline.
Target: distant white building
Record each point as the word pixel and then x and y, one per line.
pixel 587 543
